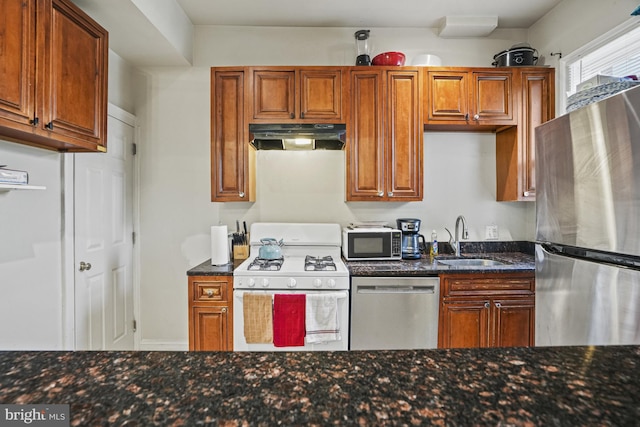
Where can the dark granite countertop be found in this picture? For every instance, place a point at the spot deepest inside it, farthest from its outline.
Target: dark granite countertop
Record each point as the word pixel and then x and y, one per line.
pixel 562 386
pixel 206 269
pixel 515 256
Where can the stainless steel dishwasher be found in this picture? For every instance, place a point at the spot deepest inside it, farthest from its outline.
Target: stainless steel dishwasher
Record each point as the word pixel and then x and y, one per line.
pixel 394 313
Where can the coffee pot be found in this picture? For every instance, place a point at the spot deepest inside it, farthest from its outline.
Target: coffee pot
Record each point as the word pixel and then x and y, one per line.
pixel 411 238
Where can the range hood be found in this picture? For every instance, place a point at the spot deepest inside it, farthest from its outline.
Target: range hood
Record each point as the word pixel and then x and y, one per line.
pixel 303 136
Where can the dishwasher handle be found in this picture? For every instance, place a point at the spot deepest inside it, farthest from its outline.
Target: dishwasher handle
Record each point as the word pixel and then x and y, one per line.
pixel 408 289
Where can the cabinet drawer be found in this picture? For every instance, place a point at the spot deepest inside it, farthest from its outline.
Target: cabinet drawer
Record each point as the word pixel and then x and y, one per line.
pixel 209 291
pixel 487 284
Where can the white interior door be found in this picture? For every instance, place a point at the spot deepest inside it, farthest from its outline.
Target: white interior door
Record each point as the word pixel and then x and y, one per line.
pixel 103 222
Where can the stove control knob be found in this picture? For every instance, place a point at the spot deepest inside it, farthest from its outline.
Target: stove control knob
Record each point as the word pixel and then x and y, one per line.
pixel 265 283
pixel 252 283
pixel 331 283
pixel 291 282
pixel 317 283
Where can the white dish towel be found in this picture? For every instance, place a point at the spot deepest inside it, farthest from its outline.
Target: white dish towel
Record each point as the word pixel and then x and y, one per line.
pixel 321 318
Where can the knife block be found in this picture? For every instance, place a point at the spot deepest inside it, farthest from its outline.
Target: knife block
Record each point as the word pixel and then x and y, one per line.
pixel 240 252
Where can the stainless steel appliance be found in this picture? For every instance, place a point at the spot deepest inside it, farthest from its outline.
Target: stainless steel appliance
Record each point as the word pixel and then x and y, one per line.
pixel 310 264
pixel 298 136
pixel 394 313
pixel 588 225
pixel 411 238
pixel 362 242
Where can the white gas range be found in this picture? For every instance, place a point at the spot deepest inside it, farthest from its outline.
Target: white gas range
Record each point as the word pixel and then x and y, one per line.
pixel 311 264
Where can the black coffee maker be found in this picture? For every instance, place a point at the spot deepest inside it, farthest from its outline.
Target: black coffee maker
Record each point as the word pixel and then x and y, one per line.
pixel 411 238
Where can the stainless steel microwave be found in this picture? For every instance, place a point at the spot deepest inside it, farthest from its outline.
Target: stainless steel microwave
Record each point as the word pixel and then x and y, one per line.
pixel 371 244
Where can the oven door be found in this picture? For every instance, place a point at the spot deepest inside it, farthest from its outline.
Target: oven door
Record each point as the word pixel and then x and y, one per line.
pixel 240 344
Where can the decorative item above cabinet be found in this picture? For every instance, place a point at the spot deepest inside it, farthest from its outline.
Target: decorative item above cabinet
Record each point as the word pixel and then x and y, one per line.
pixel 54 72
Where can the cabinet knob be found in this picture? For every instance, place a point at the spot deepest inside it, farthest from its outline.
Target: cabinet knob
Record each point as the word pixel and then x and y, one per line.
pixel 498 305
pixel 390 194
pixel 529 194
pixel 476 117
pixel 49 125
pixel 466 116
pixel 84 266
pixel 293 116
pixel 380 194
pixel 302 115
pixel 35 121
pixel 486 305
pixel 209 292
pixel 224 309
pixel 241 194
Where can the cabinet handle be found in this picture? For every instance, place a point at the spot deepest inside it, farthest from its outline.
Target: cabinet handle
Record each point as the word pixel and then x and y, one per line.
pixel 241 194
pixel 209 292
pixel 476 117
pixel 35 121
pixel 390 194
pixel 529 193
pixel 302 115
pixel 466 117
pixel 84 266
pixel 49 125
pixel 293 116
pixel 380 194
pixel 486 305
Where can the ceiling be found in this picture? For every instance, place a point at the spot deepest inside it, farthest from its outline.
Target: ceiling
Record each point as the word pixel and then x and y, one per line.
pixel 361 13
pixel 160 32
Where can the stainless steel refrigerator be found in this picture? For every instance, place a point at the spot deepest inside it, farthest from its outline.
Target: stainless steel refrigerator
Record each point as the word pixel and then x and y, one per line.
pixel 588 225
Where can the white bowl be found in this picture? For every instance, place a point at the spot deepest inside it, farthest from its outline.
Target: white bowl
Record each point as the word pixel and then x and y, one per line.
pixel 426 60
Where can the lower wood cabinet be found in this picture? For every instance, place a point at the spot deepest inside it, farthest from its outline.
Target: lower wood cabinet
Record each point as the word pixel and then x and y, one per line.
pixel 210 313
pixel 487 310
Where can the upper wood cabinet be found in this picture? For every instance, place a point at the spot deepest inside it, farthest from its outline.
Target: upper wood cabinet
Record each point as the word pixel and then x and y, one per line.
pixel 53 82
pixel 487 310
pixel 232 157
pixel 469 97
pixel 384 145
pixel 515 147
pixel 300 94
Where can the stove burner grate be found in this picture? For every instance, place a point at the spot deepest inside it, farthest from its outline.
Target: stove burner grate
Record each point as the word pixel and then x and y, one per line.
pixel 265 264
pixel 314 263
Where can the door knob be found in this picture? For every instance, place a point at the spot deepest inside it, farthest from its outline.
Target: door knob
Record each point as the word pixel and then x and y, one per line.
pixel 85 266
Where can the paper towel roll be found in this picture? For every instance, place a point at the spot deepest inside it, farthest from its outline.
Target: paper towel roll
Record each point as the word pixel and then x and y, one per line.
pixel 219 245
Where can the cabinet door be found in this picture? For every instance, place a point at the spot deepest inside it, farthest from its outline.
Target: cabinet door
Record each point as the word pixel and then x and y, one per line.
pixel 210 330
pixel 72 74
pixel 464 323
pixel 447 97
pixel 492 98
pixel 273 95
pixel 515 146
pixel 513 321
pixel 17 47
pixel 321 94
pixel 232 157
pixel 537 107
pixel 404 134
pixel 365 147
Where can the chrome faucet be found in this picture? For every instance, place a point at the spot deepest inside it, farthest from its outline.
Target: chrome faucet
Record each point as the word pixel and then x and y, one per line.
pixel 455 243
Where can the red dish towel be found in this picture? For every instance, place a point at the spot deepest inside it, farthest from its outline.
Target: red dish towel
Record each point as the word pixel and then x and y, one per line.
pixel 288 320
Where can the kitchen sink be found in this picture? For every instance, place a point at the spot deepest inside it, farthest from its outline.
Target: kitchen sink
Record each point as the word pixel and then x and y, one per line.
pixel 471 262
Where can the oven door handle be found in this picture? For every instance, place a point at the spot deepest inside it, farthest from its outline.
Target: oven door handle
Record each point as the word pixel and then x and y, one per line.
pixel 239 294
pixel 429 289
